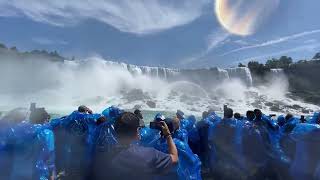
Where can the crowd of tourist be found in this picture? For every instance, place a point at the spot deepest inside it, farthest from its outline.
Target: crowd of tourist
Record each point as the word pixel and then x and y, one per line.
pixel 118 144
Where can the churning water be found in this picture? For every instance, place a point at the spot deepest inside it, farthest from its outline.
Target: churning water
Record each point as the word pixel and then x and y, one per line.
pixel 97 83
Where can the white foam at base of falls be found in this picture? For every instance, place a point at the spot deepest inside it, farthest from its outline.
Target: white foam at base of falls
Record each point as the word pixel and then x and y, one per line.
pixel 99 83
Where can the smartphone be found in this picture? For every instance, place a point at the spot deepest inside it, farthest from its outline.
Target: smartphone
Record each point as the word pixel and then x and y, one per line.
pixel 155 125
pixel 272 115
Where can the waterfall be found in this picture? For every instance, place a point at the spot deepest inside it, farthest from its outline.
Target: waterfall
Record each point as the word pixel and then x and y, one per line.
pixel 242 73
pixel 204 76
pixel 276 72
pixel 158 72
pixel 223 74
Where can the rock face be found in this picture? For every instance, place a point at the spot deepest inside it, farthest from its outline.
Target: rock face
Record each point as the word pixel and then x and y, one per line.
pixel 304 80
pixel 151 104
pixel 276 108
pixel 137 106
pixel 136 95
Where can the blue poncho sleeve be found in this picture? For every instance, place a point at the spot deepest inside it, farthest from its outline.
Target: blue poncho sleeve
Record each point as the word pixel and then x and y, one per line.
pixel 149 137
pixel 189 167
pixel 46 161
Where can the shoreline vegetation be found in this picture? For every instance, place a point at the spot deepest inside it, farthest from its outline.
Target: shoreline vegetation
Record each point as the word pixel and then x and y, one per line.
pixel 302 75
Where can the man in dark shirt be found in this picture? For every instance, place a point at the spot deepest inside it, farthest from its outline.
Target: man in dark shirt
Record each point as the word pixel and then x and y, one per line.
pixel 136 162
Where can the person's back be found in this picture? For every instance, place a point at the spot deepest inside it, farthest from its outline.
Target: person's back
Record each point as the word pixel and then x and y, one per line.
pixel 226 151
pixel 287 144
pixel 137 162
pixel 103 142
pixel 307 157
pixel 130 160
pixel 73 139
pixel 29 147
pixel 254 152
pixel 33 152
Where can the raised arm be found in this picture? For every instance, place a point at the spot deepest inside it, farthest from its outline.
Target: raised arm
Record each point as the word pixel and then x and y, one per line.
pixel 173 152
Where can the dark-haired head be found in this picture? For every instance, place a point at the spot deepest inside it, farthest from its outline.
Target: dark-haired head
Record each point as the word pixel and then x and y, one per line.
pixel 205 114
pixel 127 126
pixel 84 109
pixel 237 116
pixel 228 113
pixel 180 114
pixel 288 117
pixel 39 116
pixel 250 115
pixel 138 113
pixel 258 113
pixel 101 120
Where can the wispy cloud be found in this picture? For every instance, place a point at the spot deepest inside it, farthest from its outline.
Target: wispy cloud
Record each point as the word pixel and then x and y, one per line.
pixel 310 41
pixel 241 42
pixel 133 16
pixel 214 40
pixel 47 41
pixel 310 47
pixel 273 42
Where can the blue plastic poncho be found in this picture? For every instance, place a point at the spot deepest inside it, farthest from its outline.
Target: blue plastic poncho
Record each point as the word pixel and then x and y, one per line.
pixel 181 134
pixel 6 149
pixel 191 128
pixel 270 133
pixel 74 142
pixel 253 149
pixel 203 127
pixel 281 120
pixel 287 144
pixel 315 119
pixel 149 137
pixel 307 157
pixel 187 124
pixel 104 142
pixel 225 142
pixel 189 165
pixel 104 138
pixel 289 125
pixel 112 113
pixel 33 152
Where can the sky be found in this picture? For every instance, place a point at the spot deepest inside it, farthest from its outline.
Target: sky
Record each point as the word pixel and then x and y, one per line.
pixel 168 33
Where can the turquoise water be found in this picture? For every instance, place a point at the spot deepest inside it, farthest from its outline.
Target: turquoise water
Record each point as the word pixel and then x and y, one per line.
pixel 148 116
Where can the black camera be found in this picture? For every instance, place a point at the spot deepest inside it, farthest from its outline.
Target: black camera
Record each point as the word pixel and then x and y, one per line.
pixel 156 125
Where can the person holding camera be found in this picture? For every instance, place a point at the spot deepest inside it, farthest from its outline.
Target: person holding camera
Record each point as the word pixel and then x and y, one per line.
pixel 132 161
